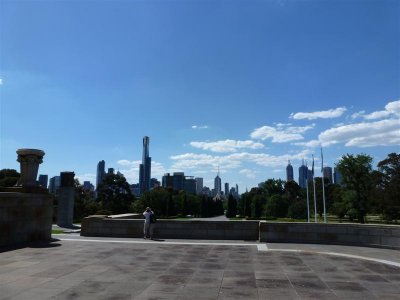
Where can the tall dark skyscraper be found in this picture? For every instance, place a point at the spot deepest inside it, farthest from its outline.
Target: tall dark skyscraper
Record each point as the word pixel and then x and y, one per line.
pixel 217 184
pixel 226 188
pixel 303 172
pixel 145 167
pixel 289 172
pixel 101 173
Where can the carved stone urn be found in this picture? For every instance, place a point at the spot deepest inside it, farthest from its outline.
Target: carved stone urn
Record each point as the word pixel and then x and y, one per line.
pixel 29 160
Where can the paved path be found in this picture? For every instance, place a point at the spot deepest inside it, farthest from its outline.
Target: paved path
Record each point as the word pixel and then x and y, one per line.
pixel 107 268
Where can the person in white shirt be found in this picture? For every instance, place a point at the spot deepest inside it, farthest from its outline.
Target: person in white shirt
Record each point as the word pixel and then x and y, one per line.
pixel 148 226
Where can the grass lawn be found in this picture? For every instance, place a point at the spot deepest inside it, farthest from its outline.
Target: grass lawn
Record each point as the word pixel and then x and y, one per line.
pixel 57 231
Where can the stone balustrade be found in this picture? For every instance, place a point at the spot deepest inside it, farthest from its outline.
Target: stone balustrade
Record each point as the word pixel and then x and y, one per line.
pixel 384 236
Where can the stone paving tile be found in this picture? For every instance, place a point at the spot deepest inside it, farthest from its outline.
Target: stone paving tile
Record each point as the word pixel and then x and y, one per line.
pixel 77 270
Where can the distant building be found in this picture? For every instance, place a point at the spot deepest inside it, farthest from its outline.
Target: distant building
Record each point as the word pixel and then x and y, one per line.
pixel 101 167
pixel 237 190
pixel 309 175
pixel 135 189
pixel 199 185
pixel 110 171
pixel 145 167
pixel 43 180
pixel 190 185
pixel 88 186
pixel 303 173
pixel 327 172
pixel 154 183
pixel 289 172
pixel 167 181
pixel 179 181
pixel 337 177
pixel 217 185
pixel 226 189
pixel 54 185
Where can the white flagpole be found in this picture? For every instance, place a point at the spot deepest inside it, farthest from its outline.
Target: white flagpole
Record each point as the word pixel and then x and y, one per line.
pixel 308 202
pixel 323 184
pixel 315 195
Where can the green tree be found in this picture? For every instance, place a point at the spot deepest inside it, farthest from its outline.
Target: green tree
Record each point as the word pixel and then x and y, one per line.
pixel 390 182
pixel 115 195
pixel 8 177
pixel 84 202
pixel 356 176
pixel 273 186
pixel 232 207
pixel 298 209
pixel 276 206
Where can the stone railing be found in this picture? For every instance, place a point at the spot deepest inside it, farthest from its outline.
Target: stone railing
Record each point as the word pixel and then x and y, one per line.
pixel 384 236
pixel 220 230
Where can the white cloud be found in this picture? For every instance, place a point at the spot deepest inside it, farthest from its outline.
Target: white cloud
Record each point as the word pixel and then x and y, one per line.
pixel 226 145
pixel 392 108
pixel 130 169
pixel 191 161
pixel 310 144
pixel 87 177
pixel 358 114
pixel 324 114
pixel 364 134
pixel 248 173
pixel 199 126
pixel 1 81
pixel 281 134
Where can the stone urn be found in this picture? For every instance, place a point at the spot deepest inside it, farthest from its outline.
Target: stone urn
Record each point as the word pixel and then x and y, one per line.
pixel 29 160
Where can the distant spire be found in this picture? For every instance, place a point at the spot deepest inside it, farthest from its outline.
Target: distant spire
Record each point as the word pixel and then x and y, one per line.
pixel 288 161
pixel 218 172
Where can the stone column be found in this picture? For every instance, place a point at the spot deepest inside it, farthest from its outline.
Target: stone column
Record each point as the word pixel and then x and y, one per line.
pixel 29 160
pixel 66 197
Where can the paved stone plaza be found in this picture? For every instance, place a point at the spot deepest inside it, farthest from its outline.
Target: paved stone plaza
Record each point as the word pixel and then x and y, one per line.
pixel 103 268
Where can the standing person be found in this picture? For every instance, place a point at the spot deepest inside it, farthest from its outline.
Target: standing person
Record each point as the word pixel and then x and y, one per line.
pixel 148 226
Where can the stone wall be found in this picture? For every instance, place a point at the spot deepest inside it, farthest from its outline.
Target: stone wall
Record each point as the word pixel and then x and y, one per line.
pixel 24 217
pixel 220 230
pixel 386 236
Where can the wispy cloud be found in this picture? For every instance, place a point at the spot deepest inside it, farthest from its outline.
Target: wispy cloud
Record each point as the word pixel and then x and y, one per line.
pixel 227 145
pixel 192 161
pixel 281 134
pixel 87 177
pixel 1 81
pixel 324 114
pixel 130 169
pixel 364 134
pixel 199 126
pixel 248 173
pixel 310 144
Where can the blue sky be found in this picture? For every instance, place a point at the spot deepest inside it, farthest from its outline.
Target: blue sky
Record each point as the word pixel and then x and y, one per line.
pixel 243 85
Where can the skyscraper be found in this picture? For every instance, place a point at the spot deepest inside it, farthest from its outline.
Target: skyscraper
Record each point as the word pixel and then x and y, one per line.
pixel 217 185
pixel 199 185
pixel 337 177
pixel 43 180
pixel 327 171
pixel 226 188
pixel 303 172
pixel 145 167
pixel 289 172
pixel 101 172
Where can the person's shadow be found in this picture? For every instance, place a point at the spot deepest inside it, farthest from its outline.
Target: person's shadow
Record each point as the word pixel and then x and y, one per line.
pixel 157 240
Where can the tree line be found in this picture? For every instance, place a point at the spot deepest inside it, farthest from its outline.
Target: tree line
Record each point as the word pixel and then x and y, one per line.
pixel 363 191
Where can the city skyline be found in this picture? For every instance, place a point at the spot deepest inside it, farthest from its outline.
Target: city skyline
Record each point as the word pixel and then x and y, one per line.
pixel 246 87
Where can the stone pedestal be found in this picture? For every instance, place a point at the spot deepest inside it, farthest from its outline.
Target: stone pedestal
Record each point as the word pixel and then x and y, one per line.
pixel 29 160
pixel 66 195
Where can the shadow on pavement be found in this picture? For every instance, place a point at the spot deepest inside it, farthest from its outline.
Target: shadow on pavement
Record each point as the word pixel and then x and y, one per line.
pixel 39 244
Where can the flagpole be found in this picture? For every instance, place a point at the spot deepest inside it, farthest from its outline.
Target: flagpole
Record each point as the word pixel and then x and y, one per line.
pixel 323 184
pixel 315 195
pixel 308 204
